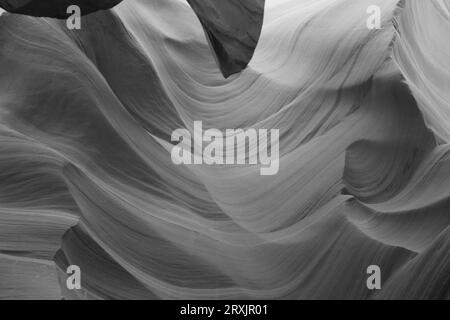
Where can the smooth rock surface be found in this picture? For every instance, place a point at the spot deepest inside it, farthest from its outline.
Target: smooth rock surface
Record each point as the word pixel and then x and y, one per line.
pixel 86 176
pixel 232 27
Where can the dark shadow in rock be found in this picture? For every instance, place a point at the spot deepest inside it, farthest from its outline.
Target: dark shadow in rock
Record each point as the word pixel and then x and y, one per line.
pixel 233 28
pixel 55 8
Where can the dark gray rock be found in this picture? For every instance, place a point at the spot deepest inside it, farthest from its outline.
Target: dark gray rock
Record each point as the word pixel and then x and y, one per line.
pixel 55 8
pixel 233 28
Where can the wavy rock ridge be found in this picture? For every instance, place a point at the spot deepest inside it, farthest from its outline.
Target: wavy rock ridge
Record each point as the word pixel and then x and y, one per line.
pixel 232 27
pixel 86 176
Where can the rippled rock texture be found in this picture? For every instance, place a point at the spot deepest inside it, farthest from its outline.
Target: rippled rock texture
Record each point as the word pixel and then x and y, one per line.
pixel 86 176
pixel 232 27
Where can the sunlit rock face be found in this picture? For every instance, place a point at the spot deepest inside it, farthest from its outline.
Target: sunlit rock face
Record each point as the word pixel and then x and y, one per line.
pixel 55 8
pixel 87 179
